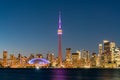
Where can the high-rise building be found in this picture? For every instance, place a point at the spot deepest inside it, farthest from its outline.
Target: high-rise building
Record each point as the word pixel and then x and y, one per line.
pixel 68 60
pixel 100 49
pixel 12 59
pixel 85 54
pixel 106 46
pixel 78 51
pixel 107 51
pixel 50 57
pixel 109 54
pixel 117 57
pixel 99 58
pixel 85 58
pixel 68 54
pixel 94 60
pixel 112 47
pixel 75 60
pixel 5 55
pixel 59 41
pixel 19 58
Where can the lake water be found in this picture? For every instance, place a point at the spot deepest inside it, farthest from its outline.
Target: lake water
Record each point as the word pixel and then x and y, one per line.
pixel 59 74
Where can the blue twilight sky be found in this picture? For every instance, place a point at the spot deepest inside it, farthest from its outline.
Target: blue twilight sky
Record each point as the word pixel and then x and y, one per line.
pixel 30 26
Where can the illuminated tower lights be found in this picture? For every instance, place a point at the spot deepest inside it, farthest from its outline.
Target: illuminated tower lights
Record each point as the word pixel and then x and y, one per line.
pixel 60 40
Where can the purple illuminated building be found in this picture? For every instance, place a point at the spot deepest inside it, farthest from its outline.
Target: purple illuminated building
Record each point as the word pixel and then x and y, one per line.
pixel 39 61
pixel 60 40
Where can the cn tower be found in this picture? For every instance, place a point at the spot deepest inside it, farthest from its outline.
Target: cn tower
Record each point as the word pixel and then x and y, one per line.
pixel 59 41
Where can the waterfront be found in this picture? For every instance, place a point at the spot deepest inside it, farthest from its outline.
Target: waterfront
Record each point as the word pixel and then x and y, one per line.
pixel 59 74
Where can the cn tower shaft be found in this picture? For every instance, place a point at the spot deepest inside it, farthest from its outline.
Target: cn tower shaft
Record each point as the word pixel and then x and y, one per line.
pixel 59 41
pixel 60 49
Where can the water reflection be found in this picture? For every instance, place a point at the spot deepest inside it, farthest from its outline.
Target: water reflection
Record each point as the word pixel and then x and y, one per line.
pixel 59 74
pixel 85 74
pixel 101 74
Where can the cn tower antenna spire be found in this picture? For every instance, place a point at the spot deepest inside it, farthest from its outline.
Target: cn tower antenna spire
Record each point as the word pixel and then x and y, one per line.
pixel 60 23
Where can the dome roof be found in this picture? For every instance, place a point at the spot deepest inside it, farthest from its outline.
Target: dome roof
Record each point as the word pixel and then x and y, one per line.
pixel 39 61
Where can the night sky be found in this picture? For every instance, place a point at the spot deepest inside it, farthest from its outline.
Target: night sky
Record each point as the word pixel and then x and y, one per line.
pixel 30 26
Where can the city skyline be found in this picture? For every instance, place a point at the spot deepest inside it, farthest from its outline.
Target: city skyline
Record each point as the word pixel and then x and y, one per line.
pixel 108 57
pixel 31 26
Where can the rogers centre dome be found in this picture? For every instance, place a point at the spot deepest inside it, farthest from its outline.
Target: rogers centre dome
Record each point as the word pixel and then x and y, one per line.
pixel 39 61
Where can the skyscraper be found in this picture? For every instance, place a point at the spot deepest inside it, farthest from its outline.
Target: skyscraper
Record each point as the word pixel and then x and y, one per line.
pixel 59 41
pixel 109 50
pixel 75 60
pixel 68 54
pixel 112 47
pixel 106 46
pixel 100 55
pixel 5 55
pixel 100 49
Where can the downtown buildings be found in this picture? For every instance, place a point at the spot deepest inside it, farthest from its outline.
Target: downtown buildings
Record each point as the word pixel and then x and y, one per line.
pixel 108 56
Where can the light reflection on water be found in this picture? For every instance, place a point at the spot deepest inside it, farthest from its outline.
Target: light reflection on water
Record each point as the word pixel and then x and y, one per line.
pixel 60 74
pixel 86 74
